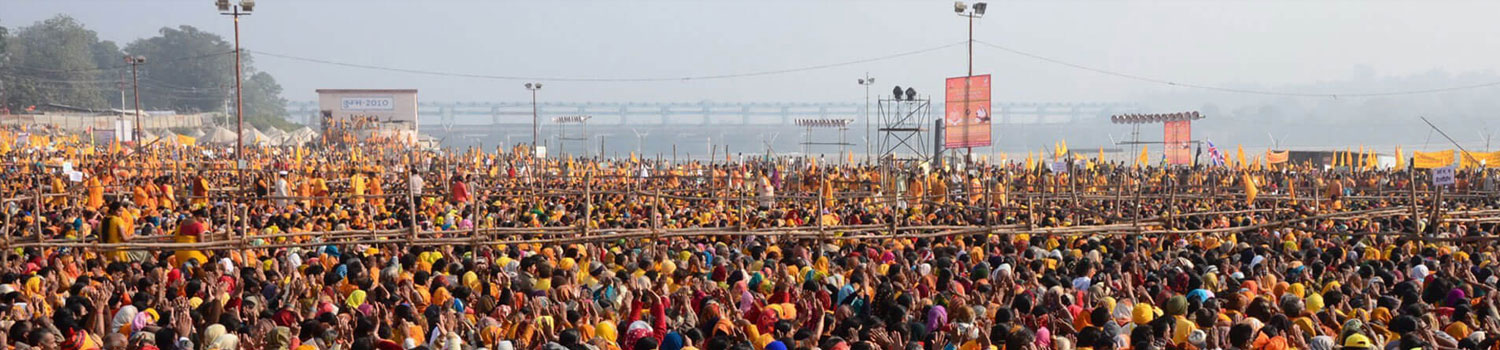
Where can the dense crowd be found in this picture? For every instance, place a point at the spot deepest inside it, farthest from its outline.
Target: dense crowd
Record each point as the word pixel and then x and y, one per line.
pixel 1212 272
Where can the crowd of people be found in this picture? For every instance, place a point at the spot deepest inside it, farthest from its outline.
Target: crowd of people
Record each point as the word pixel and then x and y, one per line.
pixel 1212 258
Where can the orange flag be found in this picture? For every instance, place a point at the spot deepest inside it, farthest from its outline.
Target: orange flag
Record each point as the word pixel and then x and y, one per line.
pixel 1251 191
pixel 1400 161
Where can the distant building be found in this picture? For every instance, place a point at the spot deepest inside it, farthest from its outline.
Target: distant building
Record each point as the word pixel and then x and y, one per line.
pixel 363 113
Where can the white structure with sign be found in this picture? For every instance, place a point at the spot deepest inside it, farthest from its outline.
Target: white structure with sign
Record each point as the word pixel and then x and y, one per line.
pixel 388 106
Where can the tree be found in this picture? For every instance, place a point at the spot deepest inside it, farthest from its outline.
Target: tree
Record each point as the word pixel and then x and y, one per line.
pixel 188 70
pixel 4 37
pixel 112 66
pixel 53 61
pixel 264 106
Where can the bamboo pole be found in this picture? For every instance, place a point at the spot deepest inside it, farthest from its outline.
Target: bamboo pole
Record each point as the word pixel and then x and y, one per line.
pixel 1411 174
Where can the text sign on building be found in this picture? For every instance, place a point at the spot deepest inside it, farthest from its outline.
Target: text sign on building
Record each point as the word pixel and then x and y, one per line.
pixel 368 103
pixel 1442 176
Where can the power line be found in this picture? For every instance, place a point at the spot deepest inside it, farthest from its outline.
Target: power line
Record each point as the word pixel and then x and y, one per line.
pixel 611 80
pixel 110 68
pixel 1234 90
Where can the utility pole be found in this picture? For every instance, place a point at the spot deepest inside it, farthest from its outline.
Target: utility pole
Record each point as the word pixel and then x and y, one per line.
pixel 534 129
pixel 869 136
pixel 976 12
pixel 243 9
pixel 135 88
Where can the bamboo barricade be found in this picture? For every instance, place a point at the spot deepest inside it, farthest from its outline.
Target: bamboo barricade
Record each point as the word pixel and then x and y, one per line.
pixel 572 234
pixel 1177 191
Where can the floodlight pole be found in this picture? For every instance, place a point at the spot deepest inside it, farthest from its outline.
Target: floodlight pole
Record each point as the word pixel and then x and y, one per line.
pixel 239 94
pixel 534 121
pixel 968 148
pixel 869 136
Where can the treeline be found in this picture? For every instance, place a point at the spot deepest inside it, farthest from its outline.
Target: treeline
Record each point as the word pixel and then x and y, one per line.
pixel 61 61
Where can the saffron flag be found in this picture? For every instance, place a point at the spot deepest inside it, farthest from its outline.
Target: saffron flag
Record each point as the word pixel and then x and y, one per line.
pixel 186 140
pixel 1142 159
pixel 1400 161
pixel 1251 191
pixel 1239 158
pixel 1362 159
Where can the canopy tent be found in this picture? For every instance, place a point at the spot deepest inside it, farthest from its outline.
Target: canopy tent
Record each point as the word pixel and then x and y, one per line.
pixel 300 136
pixel 219 135
pixel 275 134
pixel 255 137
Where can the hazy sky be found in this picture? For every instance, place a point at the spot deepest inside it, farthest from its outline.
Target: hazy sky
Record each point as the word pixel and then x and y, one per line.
pixel 1204 42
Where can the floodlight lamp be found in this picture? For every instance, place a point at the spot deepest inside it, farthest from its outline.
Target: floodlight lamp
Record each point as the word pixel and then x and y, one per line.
pixel 896 92
pixel 528 85
pixel 247 5
pixel 861 82
pixel 538 86
pixel 870 81
pixel 140 59
pixel 222 4
pixel 959 7
pixel 911 94
pixel 979 8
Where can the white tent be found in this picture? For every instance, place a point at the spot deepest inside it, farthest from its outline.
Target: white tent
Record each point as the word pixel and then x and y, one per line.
pixel 255 137
pixel 147 137
pixel 167 137
pixel 300 136
pixel 196 133
pixel 219 135
pixel 275 134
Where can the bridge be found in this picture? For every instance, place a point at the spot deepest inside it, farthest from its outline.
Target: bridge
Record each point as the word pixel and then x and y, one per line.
pixel 462 114
pixel 618 127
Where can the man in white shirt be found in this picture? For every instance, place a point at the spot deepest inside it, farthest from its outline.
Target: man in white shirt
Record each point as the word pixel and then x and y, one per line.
pixel 416 185
pixel 281 190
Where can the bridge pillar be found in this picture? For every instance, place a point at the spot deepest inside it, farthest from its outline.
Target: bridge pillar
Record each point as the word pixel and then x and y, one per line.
pixel 447 116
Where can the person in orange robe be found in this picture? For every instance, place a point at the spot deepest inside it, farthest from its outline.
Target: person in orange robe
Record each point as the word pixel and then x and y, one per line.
pixel 95 193
pixel 200 191
pixel 168 195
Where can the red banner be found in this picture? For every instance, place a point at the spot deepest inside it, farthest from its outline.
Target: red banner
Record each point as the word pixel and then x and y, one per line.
pixel 1179 138
pixel 966 119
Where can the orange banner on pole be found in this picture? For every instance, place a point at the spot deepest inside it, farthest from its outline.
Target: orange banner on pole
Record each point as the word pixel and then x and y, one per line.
pixel 1472 160
pixel 1277 157
pixel 1429 160
pixel 1177 136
